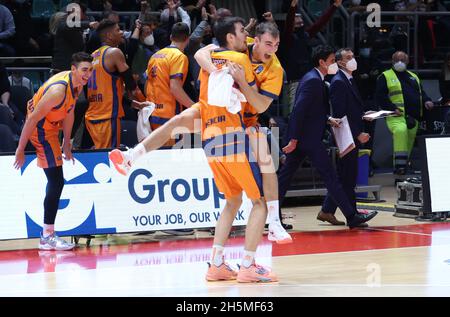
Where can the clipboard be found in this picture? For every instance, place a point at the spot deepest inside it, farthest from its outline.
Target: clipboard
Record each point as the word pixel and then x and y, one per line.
pixel 343 137
pixel 378 114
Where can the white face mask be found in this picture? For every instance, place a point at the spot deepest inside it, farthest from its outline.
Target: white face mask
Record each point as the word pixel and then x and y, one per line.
pixel 400 66
pixel 149 40
pixel 333 69
pixel 351 65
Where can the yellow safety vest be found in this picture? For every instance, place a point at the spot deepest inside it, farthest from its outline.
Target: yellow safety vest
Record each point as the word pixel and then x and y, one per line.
pixel 395 89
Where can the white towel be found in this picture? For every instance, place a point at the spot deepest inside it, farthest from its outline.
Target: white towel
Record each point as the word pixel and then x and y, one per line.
pixel 143 127
pixel 221 92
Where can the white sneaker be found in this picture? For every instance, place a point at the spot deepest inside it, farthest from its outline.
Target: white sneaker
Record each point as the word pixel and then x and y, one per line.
pixel 55 243
pixel 278 234
pixel 121 161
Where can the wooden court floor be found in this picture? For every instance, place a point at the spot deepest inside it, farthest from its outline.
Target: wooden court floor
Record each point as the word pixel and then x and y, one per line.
pixel 393 257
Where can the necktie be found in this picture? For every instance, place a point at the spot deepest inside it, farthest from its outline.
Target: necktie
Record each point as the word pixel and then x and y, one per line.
pixel 354 88
pixel 352 82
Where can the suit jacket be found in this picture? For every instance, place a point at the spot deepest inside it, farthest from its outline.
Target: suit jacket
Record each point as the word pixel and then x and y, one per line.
pixel 346 101
pixel 309 117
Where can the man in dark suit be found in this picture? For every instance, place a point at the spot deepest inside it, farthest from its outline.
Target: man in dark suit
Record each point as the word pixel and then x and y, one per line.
pixel 346 101
pixel 306 127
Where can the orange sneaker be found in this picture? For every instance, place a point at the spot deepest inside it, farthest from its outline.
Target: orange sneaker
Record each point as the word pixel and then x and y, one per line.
pixel 121 161
pixel 255 274
pixel 224 272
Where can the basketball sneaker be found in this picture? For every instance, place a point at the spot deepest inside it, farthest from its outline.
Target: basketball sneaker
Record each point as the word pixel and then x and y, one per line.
pixel 255 274
pixel 223 272
pixel 121 161
pixel 55 243
pixel 278 234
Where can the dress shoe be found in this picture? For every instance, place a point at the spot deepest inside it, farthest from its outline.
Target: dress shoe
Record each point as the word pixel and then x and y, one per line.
pixel 359 219
pixel 330 218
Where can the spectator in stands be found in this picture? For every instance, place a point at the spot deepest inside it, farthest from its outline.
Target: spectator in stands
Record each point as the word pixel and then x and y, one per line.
pixel 368 71
pixel 196 41
pixel 9 114
pixel 142 47
pixel 17 79
pixel 176 13
pixel 401 91
pixel 295 46
pixel 369 68
pixel 444 81
pixel 7 31
pixel 194 9
pixel 24 43
pixel 69 40
pixel 98 5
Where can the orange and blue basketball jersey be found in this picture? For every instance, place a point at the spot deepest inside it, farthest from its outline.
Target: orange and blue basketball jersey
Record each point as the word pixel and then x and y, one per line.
pixel 224 139
pixel 45 137
pixel 166 64
pixel 269 80
pixel 105 93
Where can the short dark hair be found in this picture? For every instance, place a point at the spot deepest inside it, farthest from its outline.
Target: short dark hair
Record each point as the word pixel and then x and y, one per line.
pixel 80 57
pixel 267 27
pixel 339 52
pixel 321 52
pixel 180 32
pixel 224 26
pixel 104 27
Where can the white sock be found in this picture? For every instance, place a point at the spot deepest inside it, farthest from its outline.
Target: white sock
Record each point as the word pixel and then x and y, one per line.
pixel 273 215
pixel 249 257
pixel 48 230
pixel 217 255
pixel 137 152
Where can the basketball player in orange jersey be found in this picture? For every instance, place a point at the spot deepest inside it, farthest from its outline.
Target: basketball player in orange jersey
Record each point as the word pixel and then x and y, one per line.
pixel 166 72
pixel 106 88
pixel 50 110
pixel 233 169
pixel 269 80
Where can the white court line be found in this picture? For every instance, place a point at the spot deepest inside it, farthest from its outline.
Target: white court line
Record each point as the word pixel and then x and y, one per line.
pixel 406 232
